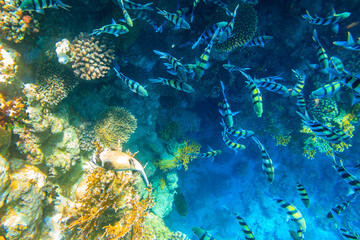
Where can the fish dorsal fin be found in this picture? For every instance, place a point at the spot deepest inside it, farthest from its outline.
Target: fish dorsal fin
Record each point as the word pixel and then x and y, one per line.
pixel 113 21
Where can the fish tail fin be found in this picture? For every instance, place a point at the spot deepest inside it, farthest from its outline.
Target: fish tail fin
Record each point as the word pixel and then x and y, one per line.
pixel 222 123
pixel 62 5
pixel 161 54
pixel 147 6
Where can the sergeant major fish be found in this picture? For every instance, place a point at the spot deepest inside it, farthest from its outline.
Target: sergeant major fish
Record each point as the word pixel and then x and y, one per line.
pixel 202 234
pixel 301 103
pixel 326 90
pixel 225 110
pixel 303 194
pixel 321 54
pixel 249 235
pixel 211 154
pixel 181 86
pixel 333 20
pixel 233 68
pixel 179 21
pixel 113 28
pixel 39 5
pixel 208 33
pixel 299 84
pixel 256 96
pixel 238 133
pixel 258 41
pixel 267 164
pixel 134 86
pixel 340 208
pixel 231 144
pixel 349 44
pixel 136 6
pixel 272 86
pixel 226 32
pixel 143 16
pixel 125 13
pixel 293 213
pixel 174 64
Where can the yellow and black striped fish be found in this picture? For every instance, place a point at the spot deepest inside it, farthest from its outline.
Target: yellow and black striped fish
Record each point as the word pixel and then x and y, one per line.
pixel 272 86
pixel 326 90
pixel 209 154
pixel 321 54
pixel 267 164
pixel 202 234
pixel 299 235
pixel 244 227
pixel 256 96
pixel 195 4
pixel 293 213
pixel 333 20
pixel 113 28
pixel 39 5
pixel 127 17
pixel 225 110
pixel 337 65
pixel 352 82
pixel 175 65
pixel 340 208
pixel 136 6
pixel 299 84
pixel 344 174
pixel 233 145
pixel 233 68
pixel 181 86
pixel 134 86
pixel 258 41
pixel 175 18
pixel 301 103
pixel 304 196
pixel 238 133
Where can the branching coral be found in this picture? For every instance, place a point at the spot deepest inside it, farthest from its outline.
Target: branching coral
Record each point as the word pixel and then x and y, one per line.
pixel 183 155
pixel 115 124
pixel 171 131
pixel 244 28
pixel 8 66
pixel 14 25
pixel 282 140
pixel 91 58
pixel 11 111
pixel 106 204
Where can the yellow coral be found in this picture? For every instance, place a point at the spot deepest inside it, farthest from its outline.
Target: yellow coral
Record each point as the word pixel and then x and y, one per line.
pixel 282 140
pixel 162 184
pixel 309 153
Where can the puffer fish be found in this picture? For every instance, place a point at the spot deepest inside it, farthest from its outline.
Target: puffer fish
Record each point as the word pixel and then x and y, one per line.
pixel 301 103
pixel 39 5
pixel 327 133
pixel 256 96
pixel 333 20
pixel 202 234
pixel 340 208
pixel 174 67
pixel 211 154
pixel 303 194
pixel 321 54
pixel 258 41
pixel 113 28
pixel 225 110
pixel 326 90
pixel 136 6
pixel 299 235
pixel 181 86
pixel 344 174
pixel 134 86
pixel 143 16
pixel 208 33
pixel 299 84
pixel 238 133
pixel 179 21
pixel 272 86
pixel 267 164
pixel 203 63
pixel 233 68
pixel 233 145
pixel 293 213
pixel 349 43
pixel 249 235
pixel 127 17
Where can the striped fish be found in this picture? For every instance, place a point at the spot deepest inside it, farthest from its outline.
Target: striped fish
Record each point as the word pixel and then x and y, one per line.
pixel 349 44
pixel 181 86
pixel 179 21
pixel 347 234
pixel 299 84
pixel 238 133
pixel 174 65
pixel 333 20
pixel 233 68
pixel 195 4
pixel 293 213
pixel 226 32
pixel 337 65
pixel 202 234
pixel 267 164
pixel 244 227
pixel 208 33
pixel 272 86
pixel 344 174
pixel 303 194
pixel 136 6
pixel 134 86
pixel 340 208
pixel 113 28
pixel 39 5
pixel 203 63
pixel 221 5
pixel 143 16
pixel 331 135
pixel 258 41
pixel 127 17
pixel 299 235
pixel 352 82
pixel 326 90
pixel 256 96
pixel 210 154
pixel 301 103
pixel 321 54
pixel 233 145
pixel 225 110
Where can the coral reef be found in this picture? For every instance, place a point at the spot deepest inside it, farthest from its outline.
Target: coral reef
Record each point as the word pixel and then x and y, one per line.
pixel 63 51
pixel 115 124
pixel 8 66
pixel 86 134
pixel 4 178
pixel 14 25
pixel 324 109
pixel 244 28
pixel 91 58
pixel 11 112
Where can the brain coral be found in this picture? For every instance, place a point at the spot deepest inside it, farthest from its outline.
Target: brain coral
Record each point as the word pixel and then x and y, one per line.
pixel 244 27
pixel 116 123
pixel 91 58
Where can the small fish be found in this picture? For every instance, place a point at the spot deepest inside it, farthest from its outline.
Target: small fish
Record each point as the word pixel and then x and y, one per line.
pixel 299 84
pixel 349 44
pixel 267 164
pixel 134 86
pixel 258 41
pixel 346 234
pixel 340 208
pixel 136 6
pixel 180 203
pixel 209 33
pixel 337 65
pixel 326 90
pixel 226 32
pixel 352 82
pixel 301 103
pixel 344 174
pixel 238 133
pixel 174 64
pixel 181 86
pixel 210 154
pixel 39 5
pixel 179 21
pixel 113 28
pixel 299 235
pixel 143 16
pixel 331 135
pixel 333 20
pixel 249 235
pixel 221 5
pixel 195 4
pixel 256 96
pixel 293 213
pixel 321 54
pixel 226 111
pixel 272 86
pixel 127 17
pixel 304 196
pixel 233 68
pixel 233 145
